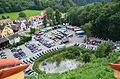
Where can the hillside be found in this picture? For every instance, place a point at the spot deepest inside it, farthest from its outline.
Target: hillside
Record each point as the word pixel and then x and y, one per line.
pixel 84 2
pixel 96 69
pixel 19 5
pixel 102 18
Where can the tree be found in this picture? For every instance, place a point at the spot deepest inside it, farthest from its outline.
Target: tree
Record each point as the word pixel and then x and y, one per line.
pixel 88 29
pixel 3 17
pixel 50 15
pixel 8 17
pixel 22 14
pixel 58 16
pixel 104 50
pixel 32 30
pixel 45 21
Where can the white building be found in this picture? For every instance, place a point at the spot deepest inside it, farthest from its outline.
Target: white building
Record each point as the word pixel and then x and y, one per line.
pixel 23 27
pixel 13 38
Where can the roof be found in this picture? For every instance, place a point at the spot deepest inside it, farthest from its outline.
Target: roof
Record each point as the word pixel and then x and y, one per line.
pixel 13 36
pixel 2 27
pixel 15 26
pixel 118 58
pixel 35 17
pixel 115 66
pixel 6 62
pixel 20 18
pixel 6 21
pixel 11 71
pixel 3 40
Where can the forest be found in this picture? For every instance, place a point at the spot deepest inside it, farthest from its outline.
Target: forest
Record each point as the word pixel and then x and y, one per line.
pixel 20 5
pixel 101 19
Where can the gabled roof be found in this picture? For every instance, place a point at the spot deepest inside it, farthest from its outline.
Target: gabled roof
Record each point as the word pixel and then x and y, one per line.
pixel 35 17
pixel 2 40
pixel 6 21
pixel 15 26
pixel 20 18
pixel 13 36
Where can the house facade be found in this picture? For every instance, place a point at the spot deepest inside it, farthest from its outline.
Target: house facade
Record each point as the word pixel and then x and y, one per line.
pixel 9 40
pixel 3 43
pixel 13 38
pixel 6 31
pixel 36 20
pixel 23 27
pixel 20 20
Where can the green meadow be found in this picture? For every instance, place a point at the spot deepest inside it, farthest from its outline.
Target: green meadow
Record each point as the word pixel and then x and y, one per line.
pixel 14 15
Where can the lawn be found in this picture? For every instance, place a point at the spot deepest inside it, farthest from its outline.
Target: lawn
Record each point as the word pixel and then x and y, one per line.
pixel 14 15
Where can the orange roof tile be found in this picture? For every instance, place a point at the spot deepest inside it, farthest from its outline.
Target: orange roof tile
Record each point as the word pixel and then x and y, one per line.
pixel 5 62
pixel 34 17
pixel 11 71
pixel 115 66
pixel 118 58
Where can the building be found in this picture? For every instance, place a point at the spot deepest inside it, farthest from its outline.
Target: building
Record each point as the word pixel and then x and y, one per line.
pixel 15 27
pixel 36 20
pixel 20 20
pixel 6 31
pixel 9 40
pixel 3 43
pixel 6 21
pixel 20 26
pixel 12 69
pixel 13 38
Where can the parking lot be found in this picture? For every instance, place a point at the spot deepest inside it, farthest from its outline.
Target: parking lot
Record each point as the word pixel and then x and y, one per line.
pixel 43 47
pixel 51 40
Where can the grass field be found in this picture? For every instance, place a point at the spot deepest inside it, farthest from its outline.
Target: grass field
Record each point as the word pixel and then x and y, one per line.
pixel 14 15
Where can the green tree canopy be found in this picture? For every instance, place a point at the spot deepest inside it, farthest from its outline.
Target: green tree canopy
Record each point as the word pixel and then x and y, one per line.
pixel 22 14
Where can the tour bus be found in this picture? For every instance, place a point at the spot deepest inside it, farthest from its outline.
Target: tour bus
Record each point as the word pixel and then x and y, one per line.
pixel 80 33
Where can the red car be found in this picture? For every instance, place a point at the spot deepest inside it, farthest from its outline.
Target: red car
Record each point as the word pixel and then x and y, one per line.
pixel 74 28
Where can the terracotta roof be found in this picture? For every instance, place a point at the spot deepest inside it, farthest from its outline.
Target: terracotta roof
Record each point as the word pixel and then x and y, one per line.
pixel 20 18
pixel 115 66
pixel 118 58
pixel 11 71
pixel 5 62
pixel 34 17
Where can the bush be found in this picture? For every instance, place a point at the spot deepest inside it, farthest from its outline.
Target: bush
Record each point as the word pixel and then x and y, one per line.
pixel 104 50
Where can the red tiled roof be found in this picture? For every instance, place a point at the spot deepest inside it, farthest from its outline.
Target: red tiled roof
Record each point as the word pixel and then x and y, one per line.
pixel 34 17
pixel 5 62
pixel 118 58
pixel 20 18
pixel 115 66
pixel 11 71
